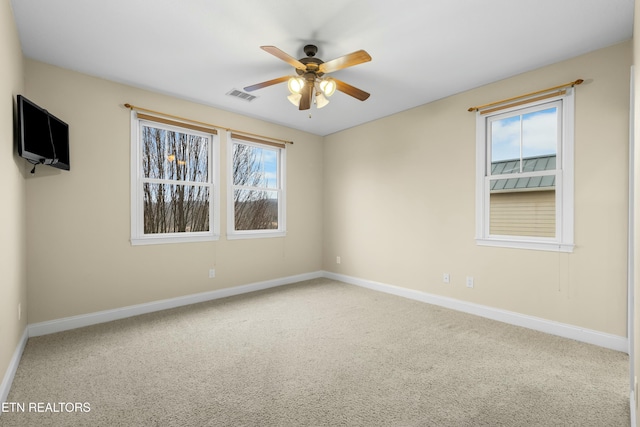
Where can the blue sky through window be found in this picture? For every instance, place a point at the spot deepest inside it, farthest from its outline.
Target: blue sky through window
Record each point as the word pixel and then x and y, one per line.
pixel 526 135
pixel 269 161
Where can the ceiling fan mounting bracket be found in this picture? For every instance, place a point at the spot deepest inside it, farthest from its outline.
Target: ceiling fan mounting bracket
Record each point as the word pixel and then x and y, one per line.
pixel 310 50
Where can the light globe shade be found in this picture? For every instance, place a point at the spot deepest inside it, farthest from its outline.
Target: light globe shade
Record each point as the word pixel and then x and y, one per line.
pixel 295 99
pixel 321 100
pixel 295 84
pixel 328 86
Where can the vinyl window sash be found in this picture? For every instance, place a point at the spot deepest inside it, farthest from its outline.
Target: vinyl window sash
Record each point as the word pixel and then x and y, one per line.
pixel 232 233
pixel 138 236
pixel 563 241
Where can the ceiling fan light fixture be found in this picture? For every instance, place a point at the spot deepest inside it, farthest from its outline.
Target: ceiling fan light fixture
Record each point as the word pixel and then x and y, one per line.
pixel 295 84
pixel 294 98
pixel 328 86
pixel 310 79
pixel 321 100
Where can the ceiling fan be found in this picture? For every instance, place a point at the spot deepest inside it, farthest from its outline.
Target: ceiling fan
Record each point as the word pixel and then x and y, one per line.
pixel 311 76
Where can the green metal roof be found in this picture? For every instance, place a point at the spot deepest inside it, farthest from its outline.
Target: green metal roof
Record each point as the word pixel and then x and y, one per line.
pixel 530 164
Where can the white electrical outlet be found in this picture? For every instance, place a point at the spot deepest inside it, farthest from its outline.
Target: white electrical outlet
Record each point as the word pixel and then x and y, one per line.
pixel 469 282
pixel 446 278
pixel 338 260
pixel 212 273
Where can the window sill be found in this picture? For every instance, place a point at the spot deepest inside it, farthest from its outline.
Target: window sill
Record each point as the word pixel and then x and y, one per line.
pixel 159 240
pixel 254 235
pixel 522 244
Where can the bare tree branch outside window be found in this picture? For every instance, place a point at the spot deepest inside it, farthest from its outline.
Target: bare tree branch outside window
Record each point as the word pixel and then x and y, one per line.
pixel 176 191
pixel 255 193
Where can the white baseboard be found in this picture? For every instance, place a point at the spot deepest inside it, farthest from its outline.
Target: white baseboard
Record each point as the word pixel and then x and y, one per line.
pixel 5 386
pixel 613 342
pixel 610 341
pixel 601 339
pixel 73 322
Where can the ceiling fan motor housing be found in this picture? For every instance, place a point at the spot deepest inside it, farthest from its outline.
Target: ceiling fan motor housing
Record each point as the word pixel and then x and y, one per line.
pixel 310 61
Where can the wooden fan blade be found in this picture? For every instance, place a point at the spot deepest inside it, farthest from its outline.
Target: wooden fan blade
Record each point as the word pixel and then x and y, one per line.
pixel 284 56
pixel 351 90
pixel 267 83
pixel 306 94
pixel 349 60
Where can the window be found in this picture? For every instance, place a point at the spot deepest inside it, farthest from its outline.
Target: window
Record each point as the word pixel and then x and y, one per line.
pixel 173 194
pixel 256 197
pixel 525 175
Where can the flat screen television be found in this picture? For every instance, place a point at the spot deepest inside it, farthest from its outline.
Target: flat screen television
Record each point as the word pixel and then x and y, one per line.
pixel 43 139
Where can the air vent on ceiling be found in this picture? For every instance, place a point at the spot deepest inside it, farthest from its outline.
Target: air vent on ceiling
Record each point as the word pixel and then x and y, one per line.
pixel 242 95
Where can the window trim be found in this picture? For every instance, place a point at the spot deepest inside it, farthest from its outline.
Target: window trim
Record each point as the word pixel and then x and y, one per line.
pixel 137 209
pixel 232 233
pixel 564 240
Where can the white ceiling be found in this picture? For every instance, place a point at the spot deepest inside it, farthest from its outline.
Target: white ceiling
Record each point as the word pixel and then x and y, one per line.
pixel 422 50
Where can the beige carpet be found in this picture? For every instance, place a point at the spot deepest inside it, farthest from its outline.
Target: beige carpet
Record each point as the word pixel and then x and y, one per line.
pixel 317 353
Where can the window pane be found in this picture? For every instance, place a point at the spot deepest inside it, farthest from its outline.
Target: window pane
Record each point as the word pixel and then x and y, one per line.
pixel 255 210
pixel 524 139
pixel 174 155
pixel 505 140
pixel 540 133
pixel 523 206
pixel 176 208
pixel 505 166
pixel 255 166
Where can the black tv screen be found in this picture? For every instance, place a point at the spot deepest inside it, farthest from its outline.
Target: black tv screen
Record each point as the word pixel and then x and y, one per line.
pixel 42 137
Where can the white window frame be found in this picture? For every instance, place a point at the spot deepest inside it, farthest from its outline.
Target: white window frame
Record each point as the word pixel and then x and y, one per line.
pixel 138 237
pixel 281 231
pixel 564 237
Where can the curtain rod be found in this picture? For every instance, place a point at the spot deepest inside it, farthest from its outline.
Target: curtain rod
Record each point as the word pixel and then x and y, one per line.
pixel 133 107
pixel 526 95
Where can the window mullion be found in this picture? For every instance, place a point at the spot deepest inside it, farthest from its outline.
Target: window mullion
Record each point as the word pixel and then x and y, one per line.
pixel 487 208
pixel 176 182
pixel 559 206
pixel 488 148
pixel 521 142
pixel 524 174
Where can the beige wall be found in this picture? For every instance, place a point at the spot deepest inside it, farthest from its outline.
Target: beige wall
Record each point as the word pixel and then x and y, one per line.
pixel 13 284
pixel 636 209
pixel 80 258
pixel 399 202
